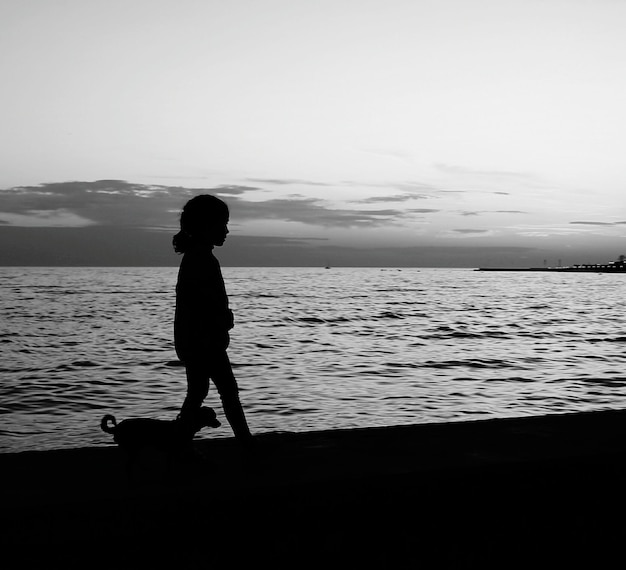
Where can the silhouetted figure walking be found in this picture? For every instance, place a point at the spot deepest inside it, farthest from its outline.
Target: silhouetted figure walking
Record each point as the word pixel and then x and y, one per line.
pixel 203 318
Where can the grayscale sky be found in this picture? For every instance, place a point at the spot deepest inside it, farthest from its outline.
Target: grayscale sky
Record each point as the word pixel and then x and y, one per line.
pixel 384 126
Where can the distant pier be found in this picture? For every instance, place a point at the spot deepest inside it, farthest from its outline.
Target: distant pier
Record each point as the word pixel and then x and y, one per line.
pixel 618 266
pixel 574 269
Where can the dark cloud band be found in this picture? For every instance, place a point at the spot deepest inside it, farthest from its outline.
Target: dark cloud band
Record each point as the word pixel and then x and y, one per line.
pixel 121 203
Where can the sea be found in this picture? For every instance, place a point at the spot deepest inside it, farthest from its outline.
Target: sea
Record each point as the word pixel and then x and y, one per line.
pixel 312 349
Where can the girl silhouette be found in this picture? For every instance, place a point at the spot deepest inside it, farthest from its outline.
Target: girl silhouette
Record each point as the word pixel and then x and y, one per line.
pixel 203 318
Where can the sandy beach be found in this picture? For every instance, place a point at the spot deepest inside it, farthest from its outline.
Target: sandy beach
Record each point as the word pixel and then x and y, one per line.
pixel 466 494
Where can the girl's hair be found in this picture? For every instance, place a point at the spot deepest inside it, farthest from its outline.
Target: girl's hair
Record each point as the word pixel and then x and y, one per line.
pixel 196 218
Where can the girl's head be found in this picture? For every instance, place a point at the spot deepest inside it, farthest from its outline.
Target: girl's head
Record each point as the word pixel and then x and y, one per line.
pixel 203 220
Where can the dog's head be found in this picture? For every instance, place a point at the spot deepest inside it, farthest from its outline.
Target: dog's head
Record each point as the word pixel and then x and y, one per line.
pixel 207 417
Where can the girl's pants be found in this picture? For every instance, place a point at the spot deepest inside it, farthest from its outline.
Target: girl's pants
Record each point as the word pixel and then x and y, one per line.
pixel 215 366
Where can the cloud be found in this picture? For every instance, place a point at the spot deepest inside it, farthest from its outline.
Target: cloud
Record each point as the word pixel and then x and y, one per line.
pixel 287 181
pixel 479 212
pixel 229 190
pixel 394 198
pixel 412 190
pixel 468 231
pixel 417 189
pixel 102 202
pixel 599 223
pixel 314 212
pixel 121 203
pixel 46 218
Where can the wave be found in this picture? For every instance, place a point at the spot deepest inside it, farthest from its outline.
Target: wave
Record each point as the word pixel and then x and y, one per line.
pixel 76 365
pixel 473 363
pixel 341 319
pixel 606 339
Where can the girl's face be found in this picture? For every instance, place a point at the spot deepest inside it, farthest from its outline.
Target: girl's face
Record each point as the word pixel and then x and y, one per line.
pixel 219 232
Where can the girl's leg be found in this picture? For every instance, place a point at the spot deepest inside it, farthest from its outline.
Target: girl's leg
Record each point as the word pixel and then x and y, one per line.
pixel 197 388
pixel 226 384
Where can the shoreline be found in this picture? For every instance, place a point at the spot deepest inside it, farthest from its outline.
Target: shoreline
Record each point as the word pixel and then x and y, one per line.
pixel 470 493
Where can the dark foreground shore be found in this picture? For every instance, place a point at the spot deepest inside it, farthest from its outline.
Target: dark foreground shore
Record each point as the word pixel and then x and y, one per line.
pixel 505 493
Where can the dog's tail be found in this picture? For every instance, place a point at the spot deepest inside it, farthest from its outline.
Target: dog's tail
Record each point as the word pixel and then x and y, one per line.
pixel 104 424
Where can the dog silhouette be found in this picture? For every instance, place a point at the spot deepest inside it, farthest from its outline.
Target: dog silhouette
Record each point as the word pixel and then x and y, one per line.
pixel 171 437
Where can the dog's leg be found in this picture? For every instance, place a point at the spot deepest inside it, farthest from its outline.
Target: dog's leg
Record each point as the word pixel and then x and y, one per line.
pixel 130 463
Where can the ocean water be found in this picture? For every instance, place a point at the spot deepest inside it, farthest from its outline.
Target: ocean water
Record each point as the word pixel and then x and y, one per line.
pixel 312 349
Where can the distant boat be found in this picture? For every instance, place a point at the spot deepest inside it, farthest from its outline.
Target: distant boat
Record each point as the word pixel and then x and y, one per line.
pixel 618 266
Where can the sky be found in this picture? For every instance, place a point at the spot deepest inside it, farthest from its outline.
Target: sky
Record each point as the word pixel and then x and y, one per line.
pixel 343 132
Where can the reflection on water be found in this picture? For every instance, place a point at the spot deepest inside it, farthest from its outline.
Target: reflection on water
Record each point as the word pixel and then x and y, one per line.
pixel 312 349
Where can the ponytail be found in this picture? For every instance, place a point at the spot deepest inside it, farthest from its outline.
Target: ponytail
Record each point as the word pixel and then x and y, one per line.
pixel 182 242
